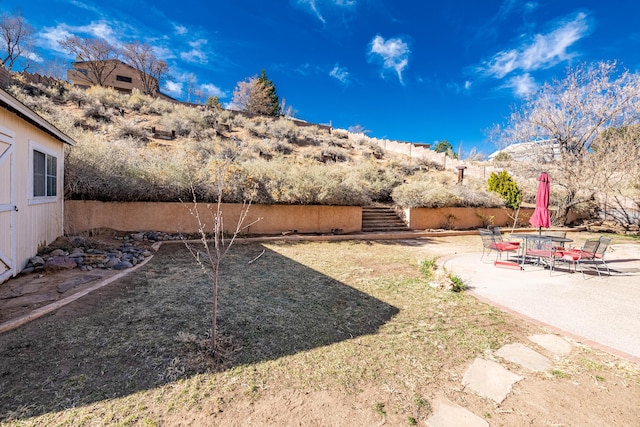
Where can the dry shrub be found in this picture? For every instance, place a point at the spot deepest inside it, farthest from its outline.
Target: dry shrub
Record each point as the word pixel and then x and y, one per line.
pixel 146 104
pixel 312 133
pixel 280 181
pixel 273 147
pixel 334 154
pixel 426 192
pixel 377 181
pixel 130 129
pixel 97 111
pixel 124 170
pixel 283 128
pixel 34 98
pixel 108 97
pixel 340 133
pixel 185 121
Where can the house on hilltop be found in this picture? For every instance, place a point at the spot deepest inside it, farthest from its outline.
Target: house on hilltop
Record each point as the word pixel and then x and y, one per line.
pixel 118 75
pixel 534 151
pixel 31 184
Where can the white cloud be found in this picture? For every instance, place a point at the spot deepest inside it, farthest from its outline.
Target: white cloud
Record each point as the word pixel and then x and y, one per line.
pixel 467 85
pixel 313 7
pixel 196 54
pixel 522 85
pixel 102 29
pixel 341 74
pixel 173 88
pixel 394 54
pixel 50 38
pixel 213 90
pixel 544 51
pixel 180 30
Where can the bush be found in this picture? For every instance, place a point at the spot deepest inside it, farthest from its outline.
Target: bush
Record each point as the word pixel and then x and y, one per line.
pixel 108 97
pixel 506 187
pixel 185 121
pixel 437 191
pixel 131 130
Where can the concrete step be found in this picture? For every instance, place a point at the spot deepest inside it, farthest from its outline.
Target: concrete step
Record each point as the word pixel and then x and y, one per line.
pixel 381 218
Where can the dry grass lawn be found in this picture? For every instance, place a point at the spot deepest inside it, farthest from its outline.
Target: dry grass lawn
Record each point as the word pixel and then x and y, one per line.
pixel 326 333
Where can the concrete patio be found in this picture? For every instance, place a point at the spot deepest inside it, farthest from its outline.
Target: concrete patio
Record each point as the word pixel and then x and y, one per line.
pixel 601 311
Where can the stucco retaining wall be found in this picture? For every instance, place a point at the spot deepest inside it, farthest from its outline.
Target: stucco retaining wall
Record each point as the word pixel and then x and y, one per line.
pixel 463 218
pixel 82 215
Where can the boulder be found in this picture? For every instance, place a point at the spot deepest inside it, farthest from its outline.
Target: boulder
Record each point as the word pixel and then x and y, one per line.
pixel 57 263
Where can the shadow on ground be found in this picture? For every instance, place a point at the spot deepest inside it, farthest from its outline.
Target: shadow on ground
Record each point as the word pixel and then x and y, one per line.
pixel 132 334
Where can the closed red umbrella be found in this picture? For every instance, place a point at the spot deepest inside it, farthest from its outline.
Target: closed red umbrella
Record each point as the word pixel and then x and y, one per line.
pixel 541 216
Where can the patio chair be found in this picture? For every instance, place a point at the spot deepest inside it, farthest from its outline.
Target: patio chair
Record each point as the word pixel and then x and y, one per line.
pixel 578 256
pixel 489 243
pixel 556 233
pixel 497 234
pixel 541 248
pixel 602 248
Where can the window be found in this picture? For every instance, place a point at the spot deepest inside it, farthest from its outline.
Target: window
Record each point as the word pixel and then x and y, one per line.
pixel 124 79
pixel 45 175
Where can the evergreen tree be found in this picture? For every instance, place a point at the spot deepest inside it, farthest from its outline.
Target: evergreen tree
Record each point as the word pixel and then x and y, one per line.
pixel 445 146
pixel 273 107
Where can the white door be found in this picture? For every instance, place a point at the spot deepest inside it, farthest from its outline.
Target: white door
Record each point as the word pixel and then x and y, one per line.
pixel 8 206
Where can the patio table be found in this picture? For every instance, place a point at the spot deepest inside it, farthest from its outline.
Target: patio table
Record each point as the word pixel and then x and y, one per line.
pixel 526 237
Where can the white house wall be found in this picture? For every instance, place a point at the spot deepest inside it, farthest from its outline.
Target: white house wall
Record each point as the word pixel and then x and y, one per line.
pixel 38 222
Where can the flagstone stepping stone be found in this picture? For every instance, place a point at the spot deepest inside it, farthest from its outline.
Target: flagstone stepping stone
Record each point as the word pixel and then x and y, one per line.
pixel 76 281
pixel 555 344
pixel 489 379
pixel 525 357
pixel 447 414
pixel 32 299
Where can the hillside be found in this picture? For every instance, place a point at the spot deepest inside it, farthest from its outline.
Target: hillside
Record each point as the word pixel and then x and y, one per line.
pixel 138 148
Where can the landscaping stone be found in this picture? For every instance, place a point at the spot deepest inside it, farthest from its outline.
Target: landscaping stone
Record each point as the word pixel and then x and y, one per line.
pixel 77 281
pixel 58 263
pixel 36 261
pixel 489 379
pixel 525 357
pixel 57 253
pixel 123 265
pixel 447 414
pixel 128 254
pixel 553 343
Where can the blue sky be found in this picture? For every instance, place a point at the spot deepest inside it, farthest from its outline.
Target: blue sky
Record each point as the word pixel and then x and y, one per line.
pixel 418 71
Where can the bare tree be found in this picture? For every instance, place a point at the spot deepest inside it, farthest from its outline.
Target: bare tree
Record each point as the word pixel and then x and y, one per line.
pixel 16 36
pixel 150 68
pixel 99 55
pixel 192 88
pixel 56 68
pixel 252 96
pixel 562 120
pixel 210 259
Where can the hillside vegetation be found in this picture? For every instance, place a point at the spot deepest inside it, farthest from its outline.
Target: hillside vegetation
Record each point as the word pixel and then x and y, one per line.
pixel 139 148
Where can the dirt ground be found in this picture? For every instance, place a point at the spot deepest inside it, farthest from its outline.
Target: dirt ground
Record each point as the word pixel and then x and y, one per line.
pixel 587 388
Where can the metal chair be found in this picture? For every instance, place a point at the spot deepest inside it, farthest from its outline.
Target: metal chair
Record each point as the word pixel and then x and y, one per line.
pixel 497 234
pixel 599 254
pixel 490 243
pixel 541 248
pixel 578 256
pixel 556 233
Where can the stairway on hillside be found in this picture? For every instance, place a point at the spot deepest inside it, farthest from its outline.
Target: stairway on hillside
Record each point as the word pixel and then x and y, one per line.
pixel 381 218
